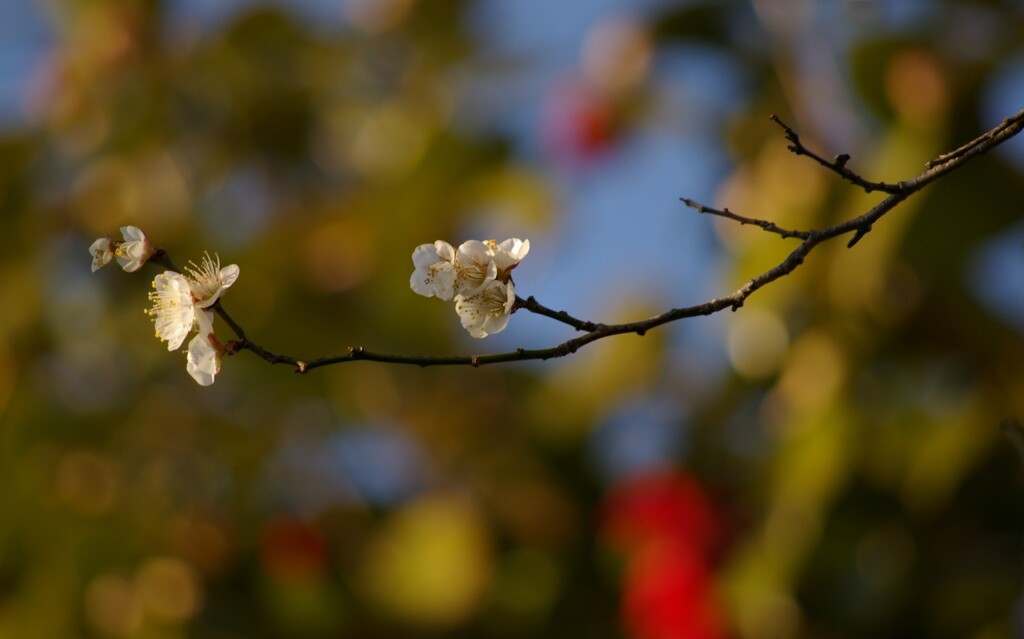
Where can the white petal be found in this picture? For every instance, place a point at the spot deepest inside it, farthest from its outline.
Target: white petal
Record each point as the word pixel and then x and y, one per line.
pixel 475 251
pixel 228 275
pixel 133 234
pixel 203 362
pixel 203 359
pixel 445 251
pixel 427 254
pixel 436 279
pixel 424 255
pixel 204 322
pixel 515 248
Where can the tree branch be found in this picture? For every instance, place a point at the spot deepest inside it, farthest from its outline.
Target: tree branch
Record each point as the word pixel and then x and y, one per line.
pixel 858 227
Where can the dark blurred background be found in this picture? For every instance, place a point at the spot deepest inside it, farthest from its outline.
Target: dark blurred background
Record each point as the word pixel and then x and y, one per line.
pixel 826 462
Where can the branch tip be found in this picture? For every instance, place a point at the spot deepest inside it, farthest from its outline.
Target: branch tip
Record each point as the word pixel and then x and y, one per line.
pixel 765 225
pixel 859 235
pixel 837 165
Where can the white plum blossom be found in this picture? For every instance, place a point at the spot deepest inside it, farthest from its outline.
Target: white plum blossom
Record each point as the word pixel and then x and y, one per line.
pixel 478 276
pixel 179 299
pixel 475 266
pixel 204 351
pixel 443 272
pixel 486 311
pixel 180 302
pixel 173 309
pixel 479 262
pixel 208 280
pixel 507 255
pixel 435 270
pixel 102 251
pixel 133 252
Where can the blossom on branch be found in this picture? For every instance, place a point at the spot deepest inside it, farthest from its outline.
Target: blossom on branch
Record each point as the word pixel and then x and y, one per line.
pixel 508 254
pixel 133 252
pixel 173 310
pixel 478 276
pixel 435 272
pixel 209 280
pixel 486 312
pixel 181 302
pixel 480 262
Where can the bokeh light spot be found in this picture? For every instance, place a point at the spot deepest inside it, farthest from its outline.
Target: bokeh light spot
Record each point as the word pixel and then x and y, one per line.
pixel 757 342
pixel 169 589
pixel 339 255
pixel 430 564
pixel 814 370
pixel 112 606
pixel 917 87
pixel 375 16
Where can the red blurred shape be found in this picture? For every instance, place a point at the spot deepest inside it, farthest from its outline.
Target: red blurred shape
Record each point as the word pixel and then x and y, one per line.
pixel 668 594
pixel 667 529
pixel 292 550
pixel 666 504
pixel 578 122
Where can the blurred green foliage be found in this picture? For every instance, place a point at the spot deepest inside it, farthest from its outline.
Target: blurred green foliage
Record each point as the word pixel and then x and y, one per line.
pixel 844 473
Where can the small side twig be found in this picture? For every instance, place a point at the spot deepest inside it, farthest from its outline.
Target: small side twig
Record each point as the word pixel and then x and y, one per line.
pixel 532 305
pixel 836 165
pixel 771 227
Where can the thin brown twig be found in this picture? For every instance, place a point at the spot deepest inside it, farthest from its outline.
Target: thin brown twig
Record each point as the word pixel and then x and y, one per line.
pixel 771 227
pixel 592 331
pixel 837 165
pixel 532 305
pixel 980 144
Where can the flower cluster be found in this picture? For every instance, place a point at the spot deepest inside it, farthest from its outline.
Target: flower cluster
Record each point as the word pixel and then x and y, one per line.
pixel 181 302
pixel 477 276
pixel 131 253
